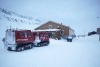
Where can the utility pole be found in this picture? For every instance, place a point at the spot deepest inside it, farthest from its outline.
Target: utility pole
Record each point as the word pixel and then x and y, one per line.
pixel 99 37
pixel 98 32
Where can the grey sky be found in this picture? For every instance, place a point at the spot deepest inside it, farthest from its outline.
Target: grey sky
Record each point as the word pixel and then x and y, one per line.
pixel 81 15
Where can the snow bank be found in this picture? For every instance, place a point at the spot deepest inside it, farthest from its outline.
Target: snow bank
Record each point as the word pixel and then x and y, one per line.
pixel 82 52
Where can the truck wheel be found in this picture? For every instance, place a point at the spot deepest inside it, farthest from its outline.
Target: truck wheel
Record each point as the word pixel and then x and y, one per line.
pixel 9 49
pixel 30 46
pixel 44 44
pixel 47 43
pixel 19 49
pixel 22 48
pixel 38 44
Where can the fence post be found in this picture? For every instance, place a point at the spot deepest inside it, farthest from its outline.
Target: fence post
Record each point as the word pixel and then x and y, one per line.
pixel 99 37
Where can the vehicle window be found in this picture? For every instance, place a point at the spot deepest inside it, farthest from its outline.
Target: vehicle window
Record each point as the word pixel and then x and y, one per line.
pixel 22 34
pixel 28 34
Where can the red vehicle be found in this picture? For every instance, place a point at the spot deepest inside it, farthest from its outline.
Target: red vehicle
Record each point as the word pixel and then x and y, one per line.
pixel 43 37
pixel 19 40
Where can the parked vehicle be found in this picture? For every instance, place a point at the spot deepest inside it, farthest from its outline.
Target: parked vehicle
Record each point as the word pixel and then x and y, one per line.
pixel 19 40
pixel 69 39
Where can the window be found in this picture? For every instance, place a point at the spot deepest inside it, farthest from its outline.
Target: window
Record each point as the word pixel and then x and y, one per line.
pixel 50 27
pixel 22 34
pixel 28 34
pixel 58 27
pixel 62 32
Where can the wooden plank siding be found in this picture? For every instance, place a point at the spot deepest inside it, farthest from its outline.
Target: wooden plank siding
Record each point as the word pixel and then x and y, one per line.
pixel 54 25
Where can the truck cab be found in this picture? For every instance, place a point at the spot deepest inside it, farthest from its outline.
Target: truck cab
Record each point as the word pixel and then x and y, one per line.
pixel 18 40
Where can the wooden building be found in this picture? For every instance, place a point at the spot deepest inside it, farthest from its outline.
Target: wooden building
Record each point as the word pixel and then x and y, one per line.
pixel 56 30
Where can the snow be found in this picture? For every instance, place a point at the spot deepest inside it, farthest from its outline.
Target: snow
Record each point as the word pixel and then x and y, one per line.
pixel 48 30
pixel 69 37
pixel 22 23
pixel 81 52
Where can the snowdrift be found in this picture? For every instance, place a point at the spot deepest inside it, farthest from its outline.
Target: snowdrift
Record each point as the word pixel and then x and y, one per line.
pixel 82 52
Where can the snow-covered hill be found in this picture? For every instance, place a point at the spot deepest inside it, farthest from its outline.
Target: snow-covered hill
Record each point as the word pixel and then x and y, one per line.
pixel 10 19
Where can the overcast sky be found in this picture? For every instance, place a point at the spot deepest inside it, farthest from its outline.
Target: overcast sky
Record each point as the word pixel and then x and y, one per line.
pixel 81 15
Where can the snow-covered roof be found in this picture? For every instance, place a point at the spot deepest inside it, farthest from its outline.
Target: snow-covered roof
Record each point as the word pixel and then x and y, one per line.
pixel 48 30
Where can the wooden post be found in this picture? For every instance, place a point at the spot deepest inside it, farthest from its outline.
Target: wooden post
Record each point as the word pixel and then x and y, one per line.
pixel 98 32
pixel 99 37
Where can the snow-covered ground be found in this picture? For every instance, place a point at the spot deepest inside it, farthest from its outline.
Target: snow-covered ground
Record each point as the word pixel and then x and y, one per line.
pixel 82 52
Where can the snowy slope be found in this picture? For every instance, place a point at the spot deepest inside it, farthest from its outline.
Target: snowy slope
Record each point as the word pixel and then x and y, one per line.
pixel 10 19
pixel 82 52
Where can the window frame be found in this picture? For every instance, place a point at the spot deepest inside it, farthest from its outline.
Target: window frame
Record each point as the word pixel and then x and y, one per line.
pixel 50 27
pixel 62 32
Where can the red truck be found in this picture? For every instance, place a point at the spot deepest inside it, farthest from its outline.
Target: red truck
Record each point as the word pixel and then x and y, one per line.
pixel 19 40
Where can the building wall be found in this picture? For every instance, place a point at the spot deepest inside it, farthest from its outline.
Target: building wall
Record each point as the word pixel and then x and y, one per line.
pixel 57 34
pixel 71 32
pixel 54 34
pixel 54 26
